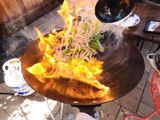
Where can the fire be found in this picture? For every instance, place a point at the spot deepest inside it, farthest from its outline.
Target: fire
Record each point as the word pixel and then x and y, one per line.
pixel 66 14
pixel 57 62
pixel 127 2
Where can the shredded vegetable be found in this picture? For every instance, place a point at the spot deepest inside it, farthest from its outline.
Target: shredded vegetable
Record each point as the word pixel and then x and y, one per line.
pixel 80 37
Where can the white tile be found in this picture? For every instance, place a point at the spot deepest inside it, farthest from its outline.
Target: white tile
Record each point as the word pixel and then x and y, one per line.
pixel 30 108
pixel 6 88
pixel 131 100
pixel 110 111
pixel 124 112
pixel 147 45
pixel 3 115
pixel 144 110
pixel 143 81
pixel 2 96
pixel 147 97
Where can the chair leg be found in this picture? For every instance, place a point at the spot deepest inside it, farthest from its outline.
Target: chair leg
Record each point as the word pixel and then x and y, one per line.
pixel 7 93
pixel 50 111
pixel 137 44
pixel 61 112
pixel 141 45
pixel 150 115
pixel 157 48
pixel 134 117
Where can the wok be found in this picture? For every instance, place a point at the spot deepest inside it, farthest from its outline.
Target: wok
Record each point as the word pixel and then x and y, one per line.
pixel 122 70
pixel 113 10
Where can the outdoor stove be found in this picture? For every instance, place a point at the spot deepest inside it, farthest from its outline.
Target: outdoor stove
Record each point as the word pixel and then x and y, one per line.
pixel 121 71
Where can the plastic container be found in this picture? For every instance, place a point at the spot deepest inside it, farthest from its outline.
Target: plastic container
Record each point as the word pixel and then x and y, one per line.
pixel 14 79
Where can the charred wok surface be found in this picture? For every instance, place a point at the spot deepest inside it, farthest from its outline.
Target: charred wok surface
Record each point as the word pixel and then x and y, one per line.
pixel 122 70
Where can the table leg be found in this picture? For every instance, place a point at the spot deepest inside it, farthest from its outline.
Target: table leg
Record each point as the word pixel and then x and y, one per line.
pixel 7 93
pixel 157 48
pixel 141 45
pixel 46 100
pixel 137 42
pixel 61 113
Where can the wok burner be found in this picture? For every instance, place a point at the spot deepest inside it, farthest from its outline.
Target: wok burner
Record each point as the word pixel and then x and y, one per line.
pixel 122 69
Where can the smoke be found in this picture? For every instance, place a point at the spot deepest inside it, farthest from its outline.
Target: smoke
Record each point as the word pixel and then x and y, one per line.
pixel 11 47
pixel 15 45
pixel 118 30
pixel 114 37
pixel 113 42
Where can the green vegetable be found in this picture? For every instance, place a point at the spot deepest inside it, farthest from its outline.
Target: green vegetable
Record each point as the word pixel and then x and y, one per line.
pixel 95 42
pixel 78 51
pixel 74 31
pixel 86 55
pixel 97 27
pixel 68 46
pixel 93 50
pixel 85 27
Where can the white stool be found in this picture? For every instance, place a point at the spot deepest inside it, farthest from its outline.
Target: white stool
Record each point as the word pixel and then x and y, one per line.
pixel 84 116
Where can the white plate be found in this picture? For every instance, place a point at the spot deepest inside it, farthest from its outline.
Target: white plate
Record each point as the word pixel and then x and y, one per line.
pixel 133 20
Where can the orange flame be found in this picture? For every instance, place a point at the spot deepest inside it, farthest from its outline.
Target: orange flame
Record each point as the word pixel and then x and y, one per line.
pixel 55 64
pixel 127 2
pixel 65 12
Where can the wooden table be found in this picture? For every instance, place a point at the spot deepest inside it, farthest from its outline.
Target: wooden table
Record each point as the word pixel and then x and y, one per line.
pixel 145 12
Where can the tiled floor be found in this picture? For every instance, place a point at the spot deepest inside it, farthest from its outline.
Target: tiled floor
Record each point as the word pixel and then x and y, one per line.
pixel 138 101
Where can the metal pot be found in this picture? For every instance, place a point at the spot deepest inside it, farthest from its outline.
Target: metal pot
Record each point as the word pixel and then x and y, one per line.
pixel 110 11
pixel 154 59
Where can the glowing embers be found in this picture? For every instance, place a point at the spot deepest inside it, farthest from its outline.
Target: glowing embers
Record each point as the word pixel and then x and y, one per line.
pixel 68 56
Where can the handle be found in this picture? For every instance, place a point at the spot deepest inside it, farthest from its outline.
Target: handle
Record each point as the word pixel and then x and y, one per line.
pixel 151 58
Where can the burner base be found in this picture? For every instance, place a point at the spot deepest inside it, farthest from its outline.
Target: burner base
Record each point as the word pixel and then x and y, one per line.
pixel 84 116
pixel 90 110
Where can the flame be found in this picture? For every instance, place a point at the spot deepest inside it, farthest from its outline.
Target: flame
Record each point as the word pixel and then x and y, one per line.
pixel 127 2
pixel 55 65
pixel 65 12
